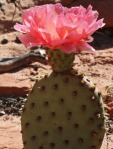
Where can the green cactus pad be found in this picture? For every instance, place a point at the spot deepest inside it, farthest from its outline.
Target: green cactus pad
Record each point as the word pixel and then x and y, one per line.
pixel 63 111
pixel 60 61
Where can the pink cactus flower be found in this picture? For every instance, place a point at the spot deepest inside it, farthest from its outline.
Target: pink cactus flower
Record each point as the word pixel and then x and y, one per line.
pixel 58 27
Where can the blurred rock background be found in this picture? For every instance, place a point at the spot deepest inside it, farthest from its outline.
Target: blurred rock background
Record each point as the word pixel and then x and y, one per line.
pixel 11 10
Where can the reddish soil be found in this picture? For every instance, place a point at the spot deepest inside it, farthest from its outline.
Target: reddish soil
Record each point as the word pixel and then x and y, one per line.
pixel 97 66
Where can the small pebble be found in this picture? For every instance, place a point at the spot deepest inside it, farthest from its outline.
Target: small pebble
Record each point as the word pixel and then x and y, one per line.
pixel 2 113
pixel 4 41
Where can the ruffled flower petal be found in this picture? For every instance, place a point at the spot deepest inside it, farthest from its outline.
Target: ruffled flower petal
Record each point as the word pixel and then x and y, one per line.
pixel 55 26
pixel 21 28
pixel 83 46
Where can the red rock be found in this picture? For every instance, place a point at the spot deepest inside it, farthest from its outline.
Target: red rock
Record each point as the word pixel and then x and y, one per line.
pixel 15 83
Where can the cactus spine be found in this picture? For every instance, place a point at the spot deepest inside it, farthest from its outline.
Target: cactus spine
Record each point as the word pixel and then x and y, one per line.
pixel 64 109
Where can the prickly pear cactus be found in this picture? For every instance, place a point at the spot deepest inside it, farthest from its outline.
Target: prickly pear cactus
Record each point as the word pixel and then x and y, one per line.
pixel 64 109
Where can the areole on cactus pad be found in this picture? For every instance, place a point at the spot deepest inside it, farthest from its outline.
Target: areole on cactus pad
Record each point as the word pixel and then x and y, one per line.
pixel 64 108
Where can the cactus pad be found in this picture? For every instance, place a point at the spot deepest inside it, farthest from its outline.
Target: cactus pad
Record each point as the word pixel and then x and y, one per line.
pixel 63 111
pixel 60 61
